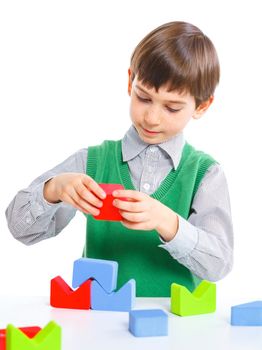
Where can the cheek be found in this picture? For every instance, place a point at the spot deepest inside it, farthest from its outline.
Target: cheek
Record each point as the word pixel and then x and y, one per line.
pixel 131 112
pixel 135 112
pixel 177 124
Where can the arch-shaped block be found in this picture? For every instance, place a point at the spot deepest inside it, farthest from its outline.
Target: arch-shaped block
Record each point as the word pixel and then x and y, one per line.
pixel 47 338
pixel 121 300
pixel 63 296
pixel 103 271
pixel 28 331
pixel 201 301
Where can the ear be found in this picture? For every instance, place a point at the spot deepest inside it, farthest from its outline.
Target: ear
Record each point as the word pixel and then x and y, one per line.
pixel 203 107
pixel 129 88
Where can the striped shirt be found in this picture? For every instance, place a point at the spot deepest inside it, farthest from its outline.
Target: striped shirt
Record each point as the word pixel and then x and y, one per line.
pixel 203 243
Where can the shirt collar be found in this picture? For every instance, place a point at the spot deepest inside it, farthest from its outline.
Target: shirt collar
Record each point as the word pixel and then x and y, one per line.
pixel 132 146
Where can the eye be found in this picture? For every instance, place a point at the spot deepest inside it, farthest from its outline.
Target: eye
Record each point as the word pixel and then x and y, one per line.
pixel 142 99
pixel 172 110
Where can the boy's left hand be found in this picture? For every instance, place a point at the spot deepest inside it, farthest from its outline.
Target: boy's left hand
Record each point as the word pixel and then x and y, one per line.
pixel 142 212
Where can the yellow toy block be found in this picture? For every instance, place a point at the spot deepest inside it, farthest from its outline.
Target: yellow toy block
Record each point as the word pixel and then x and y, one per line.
pixel 201 301
pixel 48 338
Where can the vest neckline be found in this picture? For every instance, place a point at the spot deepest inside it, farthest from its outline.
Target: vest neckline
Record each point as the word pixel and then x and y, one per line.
pixel 166 184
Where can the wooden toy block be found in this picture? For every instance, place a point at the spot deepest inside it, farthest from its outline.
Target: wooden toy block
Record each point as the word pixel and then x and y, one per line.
pixel 249 314
pixel 103 271
pixel 121 300
pixel 63 296
pixel 108 211
pixel 47 338
pixel 201 301
pixel 148 323
pixel 29 331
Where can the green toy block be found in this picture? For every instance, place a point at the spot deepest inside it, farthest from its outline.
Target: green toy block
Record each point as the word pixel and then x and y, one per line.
pixel 201 301
pixel 48 338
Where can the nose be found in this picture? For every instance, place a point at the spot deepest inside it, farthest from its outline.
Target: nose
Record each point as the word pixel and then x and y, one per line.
pixel 152 116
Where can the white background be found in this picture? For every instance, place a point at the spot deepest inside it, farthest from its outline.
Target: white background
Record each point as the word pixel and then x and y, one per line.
pixel 63 86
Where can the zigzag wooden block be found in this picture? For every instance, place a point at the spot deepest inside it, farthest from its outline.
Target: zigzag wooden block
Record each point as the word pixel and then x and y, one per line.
pixel 48 338
pixel 103 271
pixel 201 301
pixel 63 296
pixel 249 314
pixel 29 331
pixel 122 300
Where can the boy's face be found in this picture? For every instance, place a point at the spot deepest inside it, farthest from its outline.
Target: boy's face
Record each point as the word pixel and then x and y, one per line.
pixel 158 116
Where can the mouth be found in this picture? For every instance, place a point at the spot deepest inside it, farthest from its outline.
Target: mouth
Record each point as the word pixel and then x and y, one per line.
pixel 150 132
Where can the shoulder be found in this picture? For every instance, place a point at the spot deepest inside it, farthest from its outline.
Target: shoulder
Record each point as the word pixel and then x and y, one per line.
pixel 105 142
pixel 215 173
pixel 198 154
pixel 105 146
pixel 78 160
pixel 197 159
pixel 214 182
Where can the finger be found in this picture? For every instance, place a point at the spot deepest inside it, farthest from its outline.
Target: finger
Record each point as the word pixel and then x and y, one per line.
pixel 87 196
pixel 134 207
pixel 133 217
pixel 94 187
pixel 132 225
pixel 68 200
pixel 80 204
pixel 136 195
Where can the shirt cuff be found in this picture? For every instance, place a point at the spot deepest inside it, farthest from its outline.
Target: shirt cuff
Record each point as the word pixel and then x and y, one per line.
pixel 184 241
pixel 39 204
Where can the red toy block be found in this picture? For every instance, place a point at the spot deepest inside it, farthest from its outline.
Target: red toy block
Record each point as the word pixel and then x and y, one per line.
pixel 108 211
pixel 63 296
pixel 29 331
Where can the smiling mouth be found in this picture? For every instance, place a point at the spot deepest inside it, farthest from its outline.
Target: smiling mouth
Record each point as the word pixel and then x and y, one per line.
pixel 151 132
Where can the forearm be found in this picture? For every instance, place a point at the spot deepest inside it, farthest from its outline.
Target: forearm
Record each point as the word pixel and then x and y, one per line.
pixel 204 242
pixel 168 226
pixel 209 255
pixel 31 219
pixel 49 192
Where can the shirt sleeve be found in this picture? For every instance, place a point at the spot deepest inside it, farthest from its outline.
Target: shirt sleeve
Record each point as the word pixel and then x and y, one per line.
pixel 30 217
pixel 204 242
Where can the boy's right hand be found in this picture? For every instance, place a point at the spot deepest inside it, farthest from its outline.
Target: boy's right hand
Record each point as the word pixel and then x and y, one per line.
pixel 76 189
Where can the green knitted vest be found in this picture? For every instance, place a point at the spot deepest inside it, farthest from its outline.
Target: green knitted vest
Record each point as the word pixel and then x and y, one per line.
pixel 137 252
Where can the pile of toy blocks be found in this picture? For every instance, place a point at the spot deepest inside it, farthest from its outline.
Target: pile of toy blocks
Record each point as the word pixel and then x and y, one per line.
pixel 94 287
pixel 95 282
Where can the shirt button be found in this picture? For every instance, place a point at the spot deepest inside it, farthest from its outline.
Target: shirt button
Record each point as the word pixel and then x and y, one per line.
pixel 28 220
pixel 146 187
pixel 153 149
pixel 40 207
pixel 150 169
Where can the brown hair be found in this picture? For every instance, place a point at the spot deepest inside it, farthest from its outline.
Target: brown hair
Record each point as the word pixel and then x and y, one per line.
pixel 180 56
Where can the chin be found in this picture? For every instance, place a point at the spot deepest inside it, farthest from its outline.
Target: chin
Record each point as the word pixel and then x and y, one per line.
pixel 150 140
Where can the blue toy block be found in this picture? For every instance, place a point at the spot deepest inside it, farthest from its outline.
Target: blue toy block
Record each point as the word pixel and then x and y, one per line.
pixel 148 323
pixel 103 271
pixel 249 314
pixel 121 300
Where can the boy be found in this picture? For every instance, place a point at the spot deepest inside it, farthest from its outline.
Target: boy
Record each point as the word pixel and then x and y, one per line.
pixel 176 224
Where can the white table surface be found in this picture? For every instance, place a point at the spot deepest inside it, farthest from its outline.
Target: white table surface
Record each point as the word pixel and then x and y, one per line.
pixel 89 329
